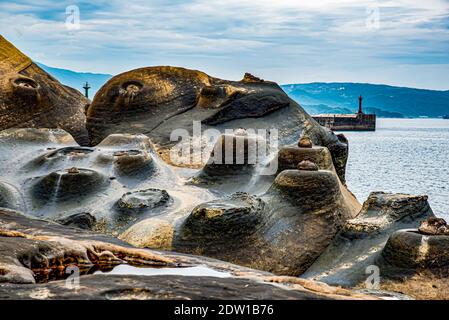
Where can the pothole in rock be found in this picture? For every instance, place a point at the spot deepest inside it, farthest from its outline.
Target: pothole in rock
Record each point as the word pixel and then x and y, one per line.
pixel 142 200
pixel 135 205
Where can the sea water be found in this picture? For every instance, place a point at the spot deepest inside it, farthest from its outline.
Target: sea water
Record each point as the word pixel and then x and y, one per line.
pixel 402 156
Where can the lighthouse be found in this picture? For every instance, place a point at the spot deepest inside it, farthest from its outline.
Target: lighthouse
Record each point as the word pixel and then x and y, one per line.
pixel 360 105
pixel 359 121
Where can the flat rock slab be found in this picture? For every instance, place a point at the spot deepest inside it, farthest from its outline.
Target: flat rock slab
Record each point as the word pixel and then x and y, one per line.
pixel 29 245
pixel 117 287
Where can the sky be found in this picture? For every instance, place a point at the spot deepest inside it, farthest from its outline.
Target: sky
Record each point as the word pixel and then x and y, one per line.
pixel 396 42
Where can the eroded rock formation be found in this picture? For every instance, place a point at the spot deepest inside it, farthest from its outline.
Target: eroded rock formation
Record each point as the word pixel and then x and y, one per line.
pixel 157 100
pixel 52 177
pixel 410 249
pixel 282 231
pixel 83 220
pixel 38 251
pixel 31 98
pixel 434 226
pixel 416 261
pixel 288 212
pixel 60 179
pixel 360 242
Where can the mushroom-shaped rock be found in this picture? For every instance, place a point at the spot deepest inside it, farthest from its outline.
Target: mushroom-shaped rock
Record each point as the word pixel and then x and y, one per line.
pixel 221 225
pixel 417 262
pixel 133 162
pixel 150 233
pixel 410 249
pixel 283 231
pixel 30 97
pixel 360 242
pixel 312 190
pixel 232 155
pixel 67 185
pixel 382 209
pixel 337 145
pixel 130 155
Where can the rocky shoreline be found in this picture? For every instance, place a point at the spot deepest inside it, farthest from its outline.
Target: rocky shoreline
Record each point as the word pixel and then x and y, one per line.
pixel 94 185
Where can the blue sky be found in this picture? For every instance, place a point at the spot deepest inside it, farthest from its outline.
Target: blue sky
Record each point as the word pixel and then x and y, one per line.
pixel 397 42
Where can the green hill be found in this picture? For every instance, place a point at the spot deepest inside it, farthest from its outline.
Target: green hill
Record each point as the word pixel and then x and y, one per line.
pixel 385 101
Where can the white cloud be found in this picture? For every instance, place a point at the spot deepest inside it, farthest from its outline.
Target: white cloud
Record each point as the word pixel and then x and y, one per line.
pixel 282 40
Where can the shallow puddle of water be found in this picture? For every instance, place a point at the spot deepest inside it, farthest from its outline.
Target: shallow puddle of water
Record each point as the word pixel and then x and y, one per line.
pixel 125 269
pixel 47 275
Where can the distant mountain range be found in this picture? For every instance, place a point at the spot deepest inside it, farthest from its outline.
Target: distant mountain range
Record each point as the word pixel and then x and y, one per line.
pixel 78 79
pixel 385 101
pixel 319 97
